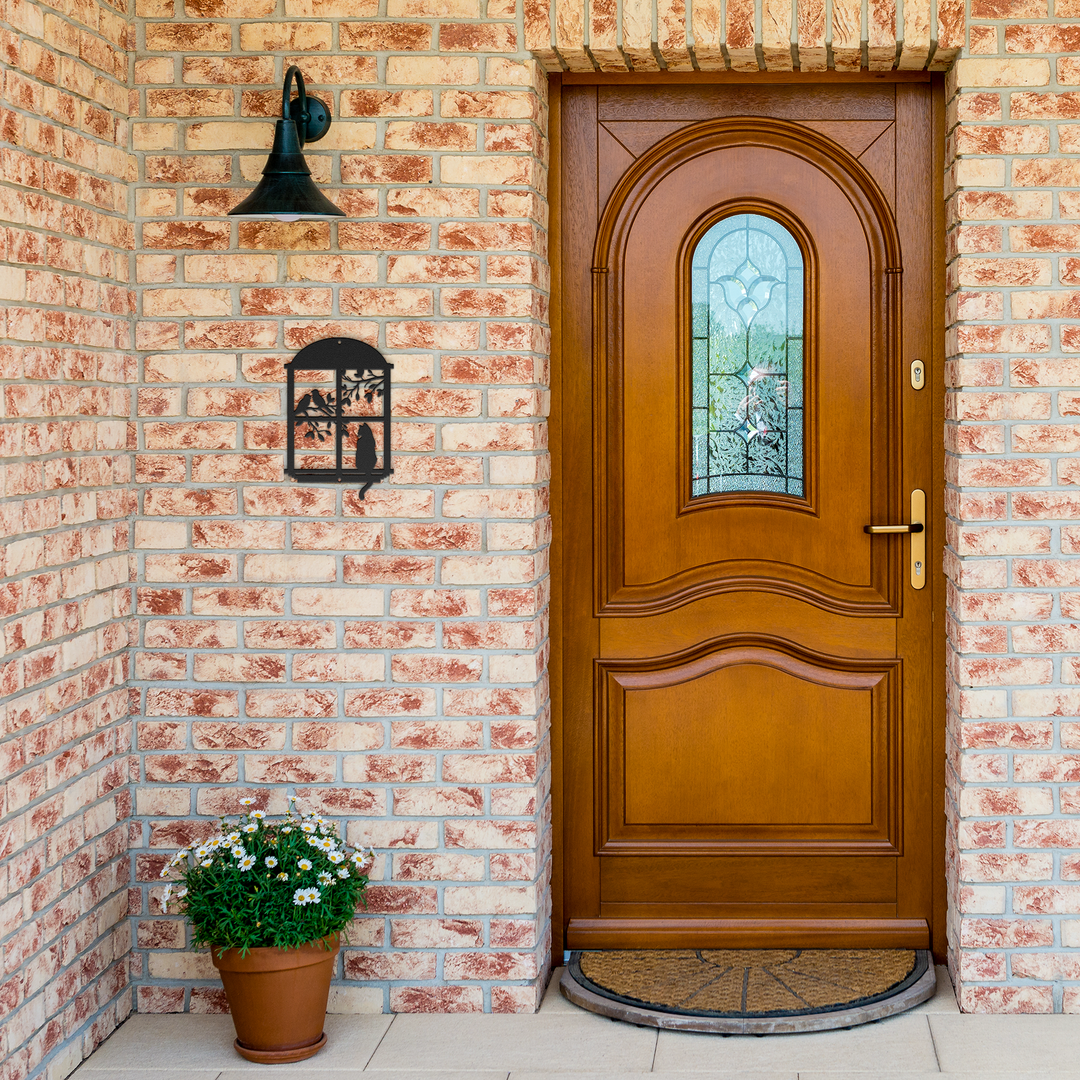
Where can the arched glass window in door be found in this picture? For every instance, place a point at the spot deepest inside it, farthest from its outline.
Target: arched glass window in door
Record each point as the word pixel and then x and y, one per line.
pixel 747 330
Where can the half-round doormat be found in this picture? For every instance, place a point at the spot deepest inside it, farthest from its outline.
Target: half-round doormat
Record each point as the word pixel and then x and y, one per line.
pixel 749 991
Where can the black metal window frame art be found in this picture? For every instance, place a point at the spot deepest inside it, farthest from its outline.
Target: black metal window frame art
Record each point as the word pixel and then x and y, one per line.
pixel 323 413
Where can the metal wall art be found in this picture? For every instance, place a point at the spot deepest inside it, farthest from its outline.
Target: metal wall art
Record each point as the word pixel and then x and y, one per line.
pixel 339 413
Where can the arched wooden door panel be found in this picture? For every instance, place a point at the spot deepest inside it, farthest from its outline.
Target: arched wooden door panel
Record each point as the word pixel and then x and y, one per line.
pixel 747 675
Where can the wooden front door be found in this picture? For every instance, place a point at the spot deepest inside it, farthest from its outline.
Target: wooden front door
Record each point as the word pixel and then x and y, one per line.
pixel 748 683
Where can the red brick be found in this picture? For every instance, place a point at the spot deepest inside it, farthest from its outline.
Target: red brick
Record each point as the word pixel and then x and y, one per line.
pixel 191 768
pixel 436 999
pixel 238 736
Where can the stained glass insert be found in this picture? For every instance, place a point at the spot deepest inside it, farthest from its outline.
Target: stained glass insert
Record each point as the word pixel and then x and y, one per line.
pixel 747 351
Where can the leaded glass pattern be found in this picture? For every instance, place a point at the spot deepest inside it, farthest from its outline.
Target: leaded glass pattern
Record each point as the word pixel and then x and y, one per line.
pixel 748 374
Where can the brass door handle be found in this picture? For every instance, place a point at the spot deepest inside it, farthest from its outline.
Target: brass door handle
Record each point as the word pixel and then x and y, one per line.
pixel 876 530
pixel 918 541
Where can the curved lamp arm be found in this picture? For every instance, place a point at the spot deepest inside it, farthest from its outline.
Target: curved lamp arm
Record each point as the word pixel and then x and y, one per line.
pixel 286 101
pixel 310 115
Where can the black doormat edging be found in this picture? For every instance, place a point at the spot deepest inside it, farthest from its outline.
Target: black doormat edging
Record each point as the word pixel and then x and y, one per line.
pixel 922 962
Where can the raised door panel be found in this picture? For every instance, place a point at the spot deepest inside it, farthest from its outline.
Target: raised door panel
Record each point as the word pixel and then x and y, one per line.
pixel 810 543
pixel 769 748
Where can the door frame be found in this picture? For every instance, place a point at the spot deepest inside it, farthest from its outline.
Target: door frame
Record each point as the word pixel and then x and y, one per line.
pixel 936 500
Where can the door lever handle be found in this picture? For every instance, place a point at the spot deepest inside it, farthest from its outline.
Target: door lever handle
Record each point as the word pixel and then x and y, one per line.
pixel 875 530
pixel 918 541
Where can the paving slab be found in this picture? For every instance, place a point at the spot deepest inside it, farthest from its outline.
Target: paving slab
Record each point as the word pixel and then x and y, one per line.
pixel 557 1043
pixel 358 1074
pixel 456 1074
pixel 553 1001
pixel 944 999
pixel 900 1044
pixel 830 1074
pixel 720 1075
pixel 877 1075
pixel 147 1073
pixel 206 1043
pixel 984 1044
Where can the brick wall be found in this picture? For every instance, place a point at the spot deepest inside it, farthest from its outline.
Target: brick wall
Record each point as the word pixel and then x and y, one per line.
pixel 386 659
pixel 1012 437
pixel 66 369
pixel 382 659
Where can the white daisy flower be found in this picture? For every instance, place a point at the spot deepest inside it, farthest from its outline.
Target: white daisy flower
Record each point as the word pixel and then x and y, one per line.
pixel 343 872
pixel 181 893
pixel 232 837
pixel 247 862
pixel 270 861
pixel 258 815
pixel 325 843
pixel 247 802
pixel 325 879
pixel 309 827
pixel 287 829
pixel 336 857
pixel 207 862
pixel 283 876
pixel 201 851
pixel 251 826
pixel 238 851
pixel 304 864
pixel 303 897
pixel 165 897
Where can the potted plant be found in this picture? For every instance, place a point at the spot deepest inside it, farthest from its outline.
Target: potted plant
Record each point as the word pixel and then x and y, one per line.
pixel 271 899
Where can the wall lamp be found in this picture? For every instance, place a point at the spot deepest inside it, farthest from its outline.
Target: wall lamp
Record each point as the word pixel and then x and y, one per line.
pixel 286 191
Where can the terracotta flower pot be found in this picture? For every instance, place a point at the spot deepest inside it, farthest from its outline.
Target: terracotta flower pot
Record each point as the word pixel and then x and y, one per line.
pixel 278 999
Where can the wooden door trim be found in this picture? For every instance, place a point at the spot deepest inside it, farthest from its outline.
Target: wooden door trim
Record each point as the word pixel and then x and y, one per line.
pixel 555 447
pixel 746 933
pixel 935 385
pixel 939 942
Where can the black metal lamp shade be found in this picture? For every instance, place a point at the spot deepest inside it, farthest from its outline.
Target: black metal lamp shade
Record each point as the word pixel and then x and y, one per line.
pixel 338 402
pixel 286 190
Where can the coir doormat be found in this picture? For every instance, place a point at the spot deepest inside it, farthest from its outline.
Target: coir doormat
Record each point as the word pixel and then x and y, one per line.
pixel 750 990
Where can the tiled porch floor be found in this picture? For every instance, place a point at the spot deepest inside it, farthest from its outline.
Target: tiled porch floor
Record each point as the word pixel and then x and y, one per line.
pixel 932 1040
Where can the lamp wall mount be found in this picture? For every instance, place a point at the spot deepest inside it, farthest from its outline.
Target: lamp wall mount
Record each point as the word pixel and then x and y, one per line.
pixel 311 116
pixel 286 191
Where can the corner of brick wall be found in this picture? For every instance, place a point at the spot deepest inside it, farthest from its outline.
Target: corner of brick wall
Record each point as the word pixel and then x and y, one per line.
pixel 1013 378
pixel 66 372
pixel 385 659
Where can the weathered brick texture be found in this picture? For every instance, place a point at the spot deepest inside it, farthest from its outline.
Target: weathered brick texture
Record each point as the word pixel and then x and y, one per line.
pixel 383 659
pixel 744 35
pixel 67 370
pixel 386 659
pixel 1011 500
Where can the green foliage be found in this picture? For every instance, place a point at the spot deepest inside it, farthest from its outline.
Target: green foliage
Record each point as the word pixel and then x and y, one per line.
pixel 260 883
